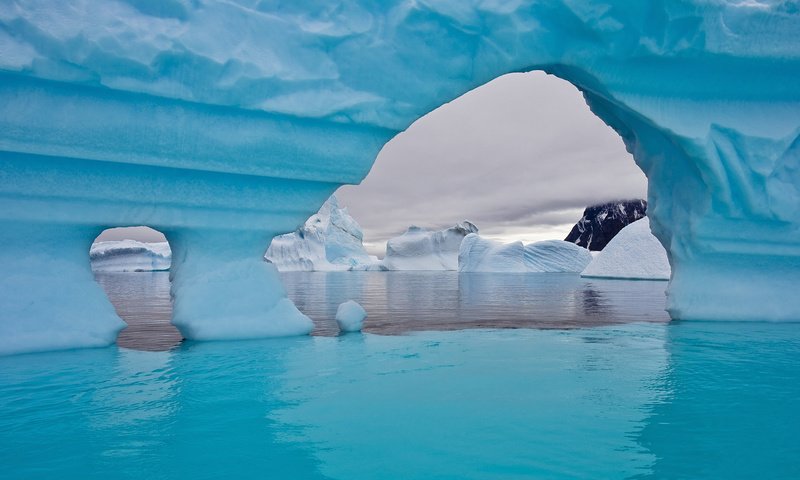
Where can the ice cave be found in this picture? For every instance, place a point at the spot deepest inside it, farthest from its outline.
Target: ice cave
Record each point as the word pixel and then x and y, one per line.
pixel 223 124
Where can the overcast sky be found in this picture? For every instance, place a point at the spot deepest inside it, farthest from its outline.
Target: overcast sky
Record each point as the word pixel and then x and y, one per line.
pixel 520 157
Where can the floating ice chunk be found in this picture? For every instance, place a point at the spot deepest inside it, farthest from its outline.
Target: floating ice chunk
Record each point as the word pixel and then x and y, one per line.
pixel 634 253
pixel 478 254
pixel 330 240
pixel 130 256
pixel 421 249
pixel 350 316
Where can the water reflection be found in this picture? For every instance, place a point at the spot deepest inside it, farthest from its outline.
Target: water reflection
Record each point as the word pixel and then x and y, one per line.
pixel 643 400
pixel 143 300
pixel 400 302
pixel 731 408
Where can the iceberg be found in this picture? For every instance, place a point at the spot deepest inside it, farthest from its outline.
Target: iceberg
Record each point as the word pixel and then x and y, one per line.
pixel 478 254
pixel 225 124
pixel 634 253
pixel 329 240
pixel 422 249
pixel 350 316
pixel 130 256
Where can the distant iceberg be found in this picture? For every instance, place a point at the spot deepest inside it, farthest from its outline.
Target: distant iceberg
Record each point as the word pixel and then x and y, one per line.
pixel 422 249
pixel 130 256
pixel 329 240
pixel 634 253
pixel 478 254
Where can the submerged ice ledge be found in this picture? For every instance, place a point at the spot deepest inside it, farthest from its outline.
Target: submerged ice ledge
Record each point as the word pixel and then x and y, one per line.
pixel 170 121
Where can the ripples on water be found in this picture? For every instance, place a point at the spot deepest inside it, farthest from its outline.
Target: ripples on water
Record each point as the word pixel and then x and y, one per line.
pixel 686 400
pixel 401 302
pixel 635 400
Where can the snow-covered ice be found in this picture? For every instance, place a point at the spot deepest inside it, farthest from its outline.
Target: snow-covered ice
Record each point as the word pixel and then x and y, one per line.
pixel 634 253
pixel 130 256
pixel 350 316
pixel 480 254
pixel 329 240
pixel 421 249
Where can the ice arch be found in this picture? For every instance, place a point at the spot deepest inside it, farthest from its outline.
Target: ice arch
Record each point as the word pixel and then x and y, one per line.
pixel 225 123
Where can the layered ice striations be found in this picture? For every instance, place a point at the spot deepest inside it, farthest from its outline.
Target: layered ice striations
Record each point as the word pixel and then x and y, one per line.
pixel 479 254
pixel 213 121
pixel 422 249
pixel 130 256
pixel 330 240
pixel 634 253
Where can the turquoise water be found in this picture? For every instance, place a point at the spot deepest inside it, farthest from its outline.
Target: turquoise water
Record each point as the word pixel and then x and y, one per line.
pixel 632 400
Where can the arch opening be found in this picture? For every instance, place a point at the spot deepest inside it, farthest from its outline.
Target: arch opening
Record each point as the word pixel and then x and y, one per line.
pixel 132 265
pixel 520 156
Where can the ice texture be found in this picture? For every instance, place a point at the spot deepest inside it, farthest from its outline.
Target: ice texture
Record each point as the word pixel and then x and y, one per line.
pixel 224 124
pixel 329 240
pixel 422 249
pixel 634 253
pixel 350 316
pixel 130 256
pixel 480 254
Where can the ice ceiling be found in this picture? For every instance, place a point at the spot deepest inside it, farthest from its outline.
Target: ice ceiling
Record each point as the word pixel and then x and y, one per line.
pixel 223 124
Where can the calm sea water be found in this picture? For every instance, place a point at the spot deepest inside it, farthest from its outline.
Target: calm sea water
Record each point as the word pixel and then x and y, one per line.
pixel 618 393
pixel 402 302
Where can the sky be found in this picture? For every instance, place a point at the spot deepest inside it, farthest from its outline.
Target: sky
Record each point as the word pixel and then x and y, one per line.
pixel 520 157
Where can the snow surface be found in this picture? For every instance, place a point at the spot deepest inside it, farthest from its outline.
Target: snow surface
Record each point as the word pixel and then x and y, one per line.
pixel 421 249
pixel 130 256
pixel 478 254
pixel 634 253
pixel 350 316
pixel 329 240
pixel 225 124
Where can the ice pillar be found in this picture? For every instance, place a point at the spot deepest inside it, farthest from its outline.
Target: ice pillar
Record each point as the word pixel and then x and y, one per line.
pixel 723 200
pixel 223 288
pixel 49 297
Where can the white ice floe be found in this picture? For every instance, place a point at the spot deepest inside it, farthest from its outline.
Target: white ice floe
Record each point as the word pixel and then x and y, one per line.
pixel 479 254
pixel 634 253
pixel 350 316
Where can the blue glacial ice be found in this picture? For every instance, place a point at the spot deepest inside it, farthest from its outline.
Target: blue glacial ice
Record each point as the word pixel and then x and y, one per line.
pixel 224 124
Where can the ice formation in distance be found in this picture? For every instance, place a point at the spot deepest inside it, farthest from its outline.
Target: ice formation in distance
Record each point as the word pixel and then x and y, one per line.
pixel 130 256
pixel 634 253
pixel 350 316
pixel 224 124
pixel 421 249
pixel 600 223
pixel 329 240
pixel 480 254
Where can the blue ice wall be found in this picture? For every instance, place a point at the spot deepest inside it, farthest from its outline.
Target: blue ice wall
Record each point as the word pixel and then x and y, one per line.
pixel 226 123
